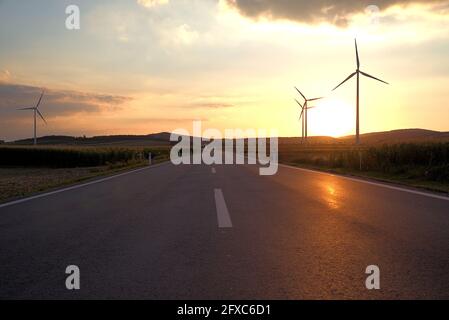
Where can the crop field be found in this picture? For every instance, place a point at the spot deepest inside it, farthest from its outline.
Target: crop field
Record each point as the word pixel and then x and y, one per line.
pixel 28 170
pixel 417 164
pixel 72 157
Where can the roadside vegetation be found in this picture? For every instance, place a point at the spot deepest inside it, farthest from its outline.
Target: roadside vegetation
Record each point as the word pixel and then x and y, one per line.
pixel 28 170
pixel 424 165
pixel 72 157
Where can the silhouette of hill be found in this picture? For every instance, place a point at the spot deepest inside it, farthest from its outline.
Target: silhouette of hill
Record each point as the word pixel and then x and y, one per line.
pixel 374 138
pixel 400 135
pixel 163 138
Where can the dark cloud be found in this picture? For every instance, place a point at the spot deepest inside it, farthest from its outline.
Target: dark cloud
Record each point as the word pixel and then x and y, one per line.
pixel 55 102
pixel 308 11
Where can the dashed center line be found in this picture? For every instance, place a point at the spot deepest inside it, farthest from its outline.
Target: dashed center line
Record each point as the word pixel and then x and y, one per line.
pixel 224 219
pixel 213 170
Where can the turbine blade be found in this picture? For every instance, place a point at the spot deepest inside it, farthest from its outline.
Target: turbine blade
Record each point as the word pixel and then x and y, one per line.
pixel 370 76
pixel 299 103
pixel 302 112
pixel 40 114
pixel 352 74
pixel 357 54
pixel 32 108
pixel 40 99
pixel 300 93
pixel 315 99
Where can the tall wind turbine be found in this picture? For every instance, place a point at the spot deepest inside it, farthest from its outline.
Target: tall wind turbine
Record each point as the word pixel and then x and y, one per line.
pixel 305 111
pixel 36 112
pixel 358 72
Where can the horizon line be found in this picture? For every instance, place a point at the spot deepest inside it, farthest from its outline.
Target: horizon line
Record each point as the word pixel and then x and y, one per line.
pixel 167 132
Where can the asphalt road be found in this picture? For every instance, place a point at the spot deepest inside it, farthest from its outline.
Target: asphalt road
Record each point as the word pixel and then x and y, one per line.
pixel 190 232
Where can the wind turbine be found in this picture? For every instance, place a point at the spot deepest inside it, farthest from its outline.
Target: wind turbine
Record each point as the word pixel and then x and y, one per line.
pixel 305 111
pixel 303 118
pixel 36 112
pixel 358 72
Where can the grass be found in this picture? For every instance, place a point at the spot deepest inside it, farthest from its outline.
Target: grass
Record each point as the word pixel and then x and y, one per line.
pixel 400 179
pixel 26 180
pixel 423 165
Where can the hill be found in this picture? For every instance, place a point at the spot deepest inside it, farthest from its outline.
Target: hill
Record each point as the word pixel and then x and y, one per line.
pixel 401 135
pixel 155 139
pixel 163 138
pixel 377 138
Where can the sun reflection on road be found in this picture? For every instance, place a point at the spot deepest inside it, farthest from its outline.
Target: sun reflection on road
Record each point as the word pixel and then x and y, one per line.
pixel 331 195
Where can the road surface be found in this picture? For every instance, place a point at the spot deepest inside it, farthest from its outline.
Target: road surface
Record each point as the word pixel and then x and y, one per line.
pixel 193 232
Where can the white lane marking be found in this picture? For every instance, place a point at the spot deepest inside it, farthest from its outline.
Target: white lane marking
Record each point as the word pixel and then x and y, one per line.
pixel 7 204
pixel 224 220
pixel 378 184
pixel 213 170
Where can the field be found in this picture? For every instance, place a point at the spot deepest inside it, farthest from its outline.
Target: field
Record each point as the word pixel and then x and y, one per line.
pixel 72 157
pixel 29 170
pixel 424 165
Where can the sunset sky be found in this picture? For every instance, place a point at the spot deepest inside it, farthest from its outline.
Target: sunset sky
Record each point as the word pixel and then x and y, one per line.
pixel 144 66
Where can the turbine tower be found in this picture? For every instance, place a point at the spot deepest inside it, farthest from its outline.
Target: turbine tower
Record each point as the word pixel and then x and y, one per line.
pixel 36 112
pixel 358 72
pixel 305 111
pixel 302 122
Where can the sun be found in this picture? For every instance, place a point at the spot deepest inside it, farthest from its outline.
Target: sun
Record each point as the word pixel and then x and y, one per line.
pixel 331 117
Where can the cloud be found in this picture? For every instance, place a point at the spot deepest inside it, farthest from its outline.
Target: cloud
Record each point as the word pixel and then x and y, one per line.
pixel 184 34
pixel 212 105
pixel 152 3
pixel 122 33
pixel 306 11
pixel 161 121
pixel 5 75
pixel 56 102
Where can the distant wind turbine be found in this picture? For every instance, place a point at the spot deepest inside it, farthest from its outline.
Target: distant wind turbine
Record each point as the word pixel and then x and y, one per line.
pixel 302 116
pixel 358 72
pixel 305 111
pixel 36 112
